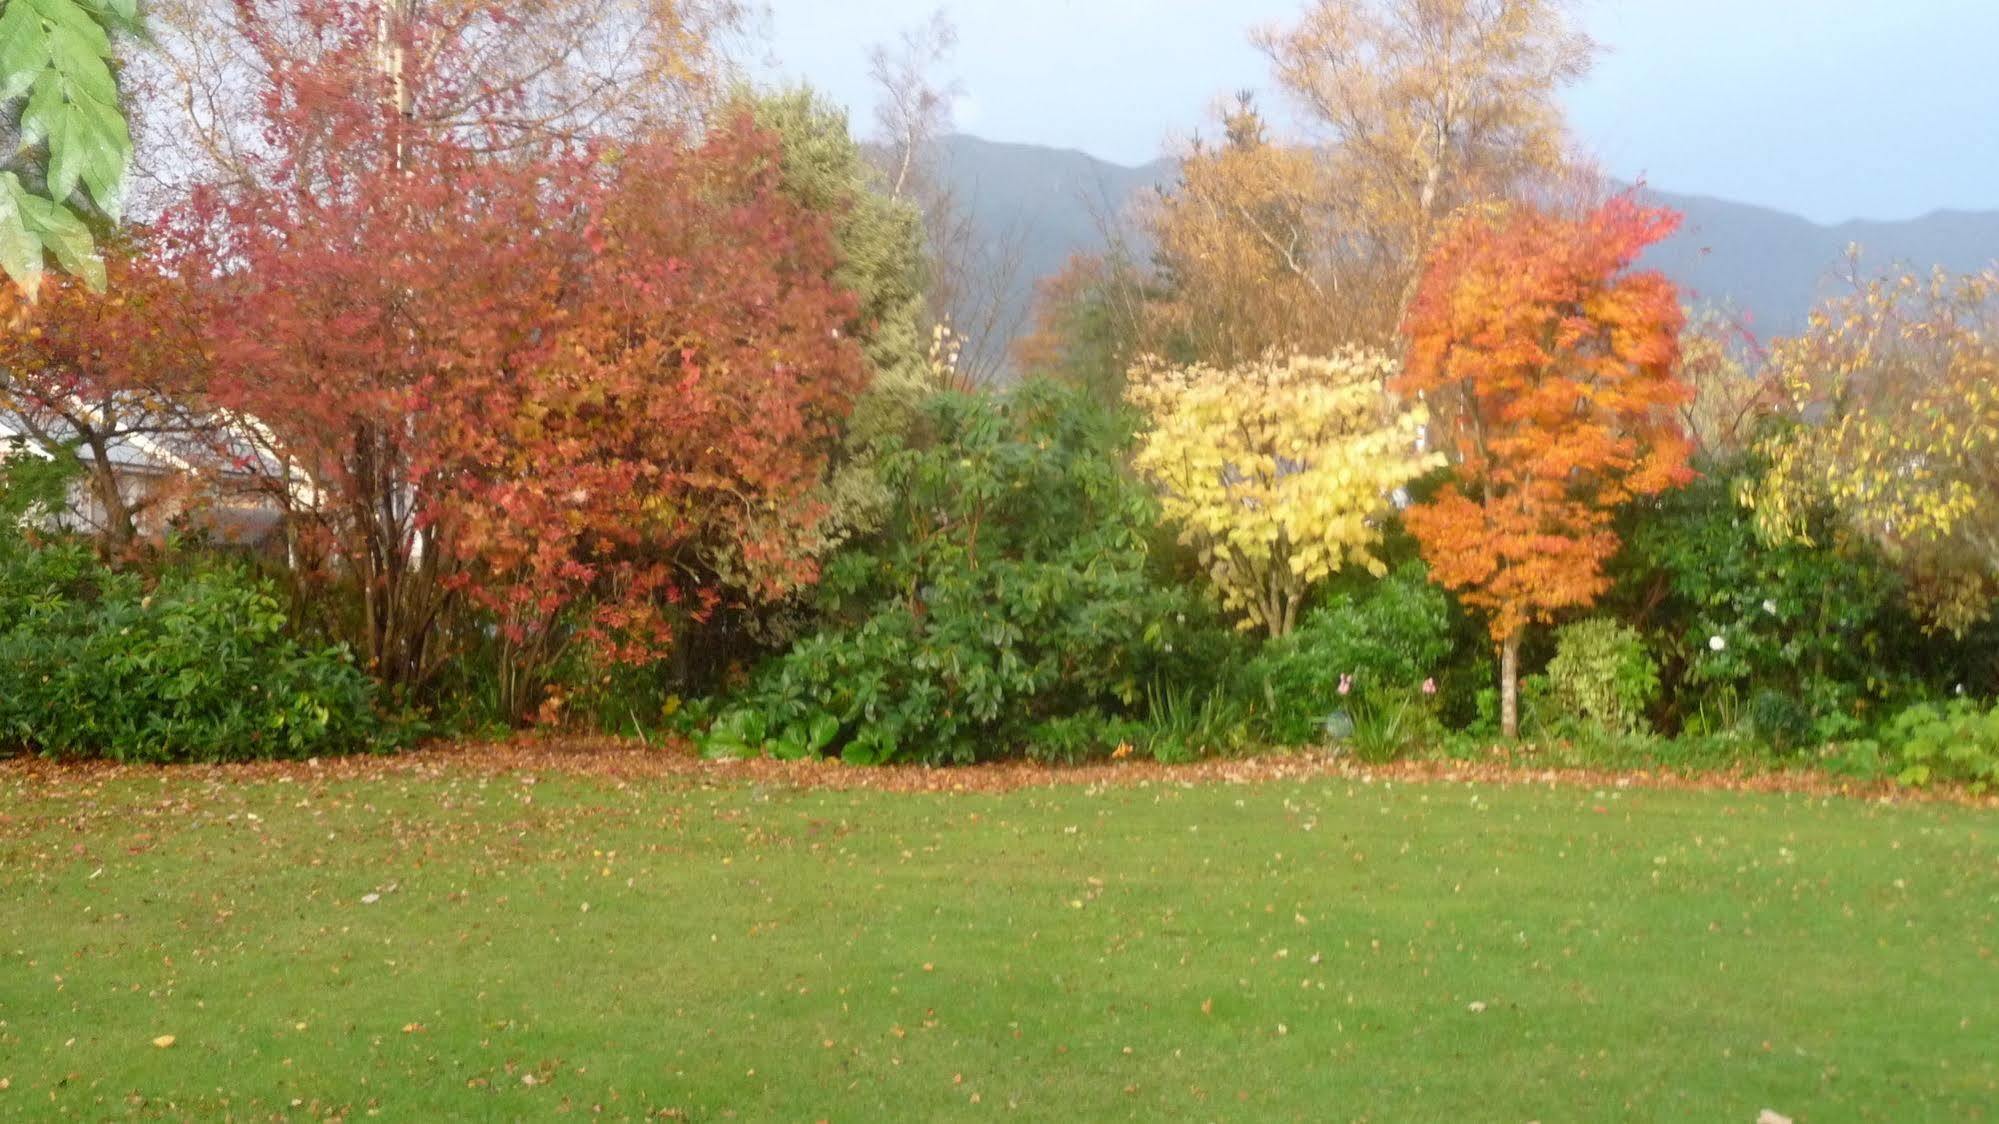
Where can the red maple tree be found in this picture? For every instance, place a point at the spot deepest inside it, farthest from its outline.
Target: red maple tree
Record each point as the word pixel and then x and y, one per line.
pixel 519 380
pixel 676 430
pixel 1551 369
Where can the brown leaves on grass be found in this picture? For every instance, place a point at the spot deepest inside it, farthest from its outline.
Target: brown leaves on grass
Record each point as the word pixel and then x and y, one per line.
pixel 616 759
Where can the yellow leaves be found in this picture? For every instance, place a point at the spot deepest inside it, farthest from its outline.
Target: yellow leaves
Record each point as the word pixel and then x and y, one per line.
pixel 1893 388
pixel 164 1041
pixel 1279 470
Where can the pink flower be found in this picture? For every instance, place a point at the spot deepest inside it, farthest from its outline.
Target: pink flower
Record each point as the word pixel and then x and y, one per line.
pixel 1429 686
pixel 1346 684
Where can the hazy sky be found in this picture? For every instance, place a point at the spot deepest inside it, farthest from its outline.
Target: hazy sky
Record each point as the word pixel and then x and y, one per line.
pixel 1833 109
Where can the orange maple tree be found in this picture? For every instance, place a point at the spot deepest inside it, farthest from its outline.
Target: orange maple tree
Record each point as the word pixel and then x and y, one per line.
pixel 1551 369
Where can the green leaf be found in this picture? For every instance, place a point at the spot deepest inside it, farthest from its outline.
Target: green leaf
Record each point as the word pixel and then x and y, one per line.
pixel 24 49
pixel 58 231
pixel 73 17
pixel 79 55
pixel 57 53
pixel 823 730
pixel 790 747
pixel 45 102
pixel 73 109
pixel 91 144
pixel 116 15
pixel 20 248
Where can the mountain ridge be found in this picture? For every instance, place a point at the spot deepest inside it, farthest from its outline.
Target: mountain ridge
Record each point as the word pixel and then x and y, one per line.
pixel 1764 263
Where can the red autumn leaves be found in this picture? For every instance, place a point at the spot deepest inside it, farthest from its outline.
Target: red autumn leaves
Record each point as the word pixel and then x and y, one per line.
pixel 586 386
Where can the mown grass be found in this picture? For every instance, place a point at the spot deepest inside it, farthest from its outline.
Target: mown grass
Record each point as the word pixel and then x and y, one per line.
pixel 464 946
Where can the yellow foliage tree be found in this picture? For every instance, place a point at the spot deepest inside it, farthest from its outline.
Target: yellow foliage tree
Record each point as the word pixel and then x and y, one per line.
pixel 1893 391
pixel 1278 471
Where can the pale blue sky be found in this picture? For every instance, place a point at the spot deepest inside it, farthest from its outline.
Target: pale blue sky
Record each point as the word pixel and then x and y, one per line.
pixel 1833 109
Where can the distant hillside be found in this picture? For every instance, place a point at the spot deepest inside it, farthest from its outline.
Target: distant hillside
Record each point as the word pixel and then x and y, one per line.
pixel 1044 203
pixel 1776 266
pixel 1768 264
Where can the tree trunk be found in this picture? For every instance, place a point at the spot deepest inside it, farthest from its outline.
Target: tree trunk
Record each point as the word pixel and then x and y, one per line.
pixel 1509 686
pixel 120 528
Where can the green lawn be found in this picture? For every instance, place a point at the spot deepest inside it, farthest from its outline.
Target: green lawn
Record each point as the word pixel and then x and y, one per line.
pixel 463 946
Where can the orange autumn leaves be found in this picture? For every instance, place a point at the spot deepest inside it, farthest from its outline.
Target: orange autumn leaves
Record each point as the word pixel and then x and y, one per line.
pixel 1551 371
pixel 1542 367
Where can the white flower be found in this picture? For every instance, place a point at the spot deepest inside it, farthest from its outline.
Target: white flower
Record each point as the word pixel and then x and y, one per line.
pixel 1770 606
pixel 1717 644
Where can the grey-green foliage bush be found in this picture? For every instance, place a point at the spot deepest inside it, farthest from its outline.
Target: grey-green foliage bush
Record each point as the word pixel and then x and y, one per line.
pixel 1012 584
pixel 880 240
pixel 1384 641
pixel 196 667
pixel 1603 676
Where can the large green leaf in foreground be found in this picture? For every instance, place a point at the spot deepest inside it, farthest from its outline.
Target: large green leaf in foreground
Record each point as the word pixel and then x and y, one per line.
pixel 60 92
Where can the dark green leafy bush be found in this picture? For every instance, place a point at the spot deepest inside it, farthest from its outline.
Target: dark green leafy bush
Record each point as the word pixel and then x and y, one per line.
pixel 1383 642
pixel 1734 616
pixel 1072 739
pixel 199 667
pixel 1861 760
pixel 1780 721
pixel 1013 584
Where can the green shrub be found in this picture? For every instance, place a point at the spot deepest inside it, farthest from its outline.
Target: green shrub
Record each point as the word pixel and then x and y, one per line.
pixel 1860 760
pixel 1780 721
pixel 197 667
pixel 1603 676
pixel 1195 720
pixel 1734 616
pixel 1013 584
pixel 1382 642
pixel 1075 738
pixel 1178 724
pixel 1956 743
pixel 1394 722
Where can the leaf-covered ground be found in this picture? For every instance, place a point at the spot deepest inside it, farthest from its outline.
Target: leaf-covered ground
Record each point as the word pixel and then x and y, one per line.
pixel 449 937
